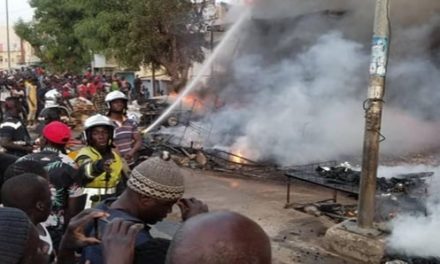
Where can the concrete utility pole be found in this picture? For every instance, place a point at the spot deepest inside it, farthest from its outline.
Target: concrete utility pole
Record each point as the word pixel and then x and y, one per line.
pixel 374 105
pixel 7 36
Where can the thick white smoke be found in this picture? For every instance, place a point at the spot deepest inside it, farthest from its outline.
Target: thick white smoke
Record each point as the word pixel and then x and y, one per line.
pixel 295 94
pixel 417 236
pixel 294 82
pixel 293 115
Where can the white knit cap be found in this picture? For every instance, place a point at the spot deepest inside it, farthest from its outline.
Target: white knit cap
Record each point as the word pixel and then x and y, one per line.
pixel 157 178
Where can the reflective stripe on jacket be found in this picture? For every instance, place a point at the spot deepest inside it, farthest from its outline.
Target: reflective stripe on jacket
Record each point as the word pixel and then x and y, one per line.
pixel 86 158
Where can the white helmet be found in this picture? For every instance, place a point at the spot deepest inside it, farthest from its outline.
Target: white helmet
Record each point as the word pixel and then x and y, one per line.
pixel 98 120
pixel 52 95
pixel 115 95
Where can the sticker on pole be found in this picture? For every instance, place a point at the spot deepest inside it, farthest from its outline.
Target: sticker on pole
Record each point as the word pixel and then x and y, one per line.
pixel 379 55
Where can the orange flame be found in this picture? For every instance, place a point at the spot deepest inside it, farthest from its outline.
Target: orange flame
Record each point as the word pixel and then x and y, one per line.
pixel 189 101
pixel 238 158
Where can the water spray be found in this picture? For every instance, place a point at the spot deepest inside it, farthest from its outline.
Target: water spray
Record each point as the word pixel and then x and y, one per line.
pixel 206 66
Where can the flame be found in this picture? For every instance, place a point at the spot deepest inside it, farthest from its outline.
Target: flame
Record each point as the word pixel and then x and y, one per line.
pixel 238 158
pixel 189 101
pixel 193 101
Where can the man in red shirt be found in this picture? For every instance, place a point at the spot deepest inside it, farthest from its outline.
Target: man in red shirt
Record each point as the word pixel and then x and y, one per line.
pixel 92 86
pixel 83 91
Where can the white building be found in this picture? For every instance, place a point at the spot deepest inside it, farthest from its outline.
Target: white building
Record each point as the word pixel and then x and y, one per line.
pixel 21 52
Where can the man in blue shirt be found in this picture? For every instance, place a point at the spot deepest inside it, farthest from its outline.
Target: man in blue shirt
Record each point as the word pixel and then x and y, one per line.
pixel 154 187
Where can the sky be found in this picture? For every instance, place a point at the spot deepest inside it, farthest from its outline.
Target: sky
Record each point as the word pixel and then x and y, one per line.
pixel 21 9
pixel 17 9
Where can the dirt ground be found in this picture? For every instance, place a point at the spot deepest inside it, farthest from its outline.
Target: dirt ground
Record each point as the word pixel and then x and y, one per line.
pixel 296 237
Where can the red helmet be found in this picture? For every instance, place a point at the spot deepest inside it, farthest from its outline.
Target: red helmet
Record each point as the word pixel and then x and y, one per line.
pixel 57 132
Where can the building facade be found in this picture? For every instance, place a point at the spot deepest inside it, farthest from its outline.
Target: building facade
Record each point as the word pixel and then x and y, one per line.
pixel 21 52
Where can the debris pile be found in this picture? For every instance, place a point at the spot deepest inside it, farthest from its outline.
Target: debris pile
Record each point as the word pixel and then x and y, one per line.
pixel 152 109
pixel 409 260
pixel 336 211
pixel 403 193
pixel 196 157
pixel 402 183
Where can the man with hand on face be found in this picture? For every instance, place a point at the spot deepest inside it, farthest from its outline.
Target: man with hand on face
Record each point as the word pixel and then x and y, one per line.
pixel 153 188
pixel 102 166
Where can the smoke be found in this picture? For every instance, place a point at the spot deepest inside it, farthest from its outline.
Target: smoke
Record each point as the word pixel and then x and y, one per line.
pixel 417 236
pixel 294 81
pixel 283 111
pixel 393 171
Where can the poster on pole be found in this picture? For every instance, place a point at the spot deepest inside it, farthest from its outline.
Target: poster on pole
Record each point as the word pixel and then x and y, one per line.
pixel 379 53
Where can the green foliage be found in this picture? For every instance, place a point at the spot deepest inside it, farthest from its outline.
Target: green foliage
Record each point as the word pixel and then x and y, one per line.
pixel 166 33
pixel 52 35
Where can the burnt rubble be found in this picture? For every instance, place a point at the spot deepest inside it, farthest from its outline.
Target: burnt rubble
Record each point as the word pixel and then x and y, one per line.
pixel 195 157
pixel 402 183
pixel 403 193
pixel 393 259
pixel 336 211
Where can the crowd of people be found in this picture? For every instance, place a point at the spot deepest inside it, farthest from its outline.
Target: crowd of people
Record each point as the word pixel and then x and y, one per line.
pixel 98 205
pixel 32 86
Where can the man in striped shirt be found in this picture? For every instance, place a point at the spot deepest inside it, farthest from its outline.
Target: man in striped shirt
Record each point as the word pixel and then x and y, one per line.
pixel 127 138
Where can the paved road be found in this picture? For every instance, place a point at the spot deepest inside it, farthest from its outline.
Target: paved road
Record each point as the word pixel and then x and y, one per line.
pixel 296 237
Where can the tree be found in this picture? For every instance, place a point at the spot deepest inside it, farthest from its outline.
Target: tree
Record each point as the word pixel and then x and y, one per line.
pixel 168 33
pixel 172 34
pixel 52 36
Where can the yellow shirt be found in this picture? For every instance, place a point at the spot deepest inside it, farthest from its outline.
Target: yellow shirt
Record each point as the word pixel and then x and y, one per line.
pixel 87 156
pixel 31 91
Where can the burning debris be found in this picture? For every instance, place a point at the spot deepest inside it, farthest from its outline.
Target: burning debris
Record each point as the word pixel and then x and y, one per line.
pixel 196 157
pixel 402 193
pixel 152 108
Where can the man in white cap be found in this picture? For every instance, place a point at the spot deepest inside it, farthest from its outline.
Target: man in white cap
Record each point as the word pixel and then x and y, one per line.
pixel 154 187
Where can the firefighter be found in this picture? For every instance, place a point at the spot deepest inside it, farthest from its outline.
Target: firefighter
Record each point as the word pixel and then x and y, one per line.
pixel 127 138
pixel 101 164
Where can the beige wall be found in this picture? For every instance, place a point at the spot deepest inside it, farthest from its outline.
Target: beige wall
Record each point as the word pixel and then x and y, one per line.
pixel 16 51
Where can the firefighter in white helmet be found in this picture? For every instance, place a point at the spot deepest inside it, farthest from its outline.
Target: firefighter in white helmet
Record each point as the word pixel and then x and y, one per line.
pixel 127 138
pixel 52 98
pixel 101 164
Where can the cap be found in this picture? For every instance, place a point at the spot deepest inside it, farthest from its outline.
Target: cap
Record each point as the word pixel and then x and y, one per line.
pixel 157 178
pixel 57 132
